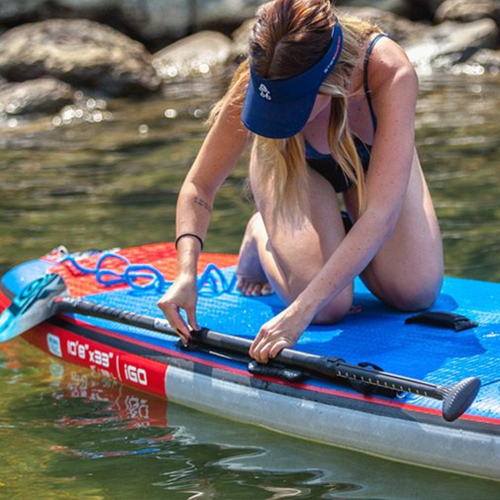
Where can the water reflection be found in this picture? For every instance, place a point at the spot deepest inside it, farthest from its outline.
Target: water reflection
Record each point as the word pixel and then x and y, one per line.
pixel 93 436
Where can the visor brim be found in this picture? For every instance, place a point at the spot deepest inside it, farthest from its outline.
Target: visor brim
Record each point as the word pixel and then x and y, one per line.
pixel 275 120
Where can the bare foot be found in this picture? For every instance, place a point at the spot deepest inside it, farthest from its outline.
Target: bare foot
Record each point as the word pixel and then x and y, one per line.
pixel 252 280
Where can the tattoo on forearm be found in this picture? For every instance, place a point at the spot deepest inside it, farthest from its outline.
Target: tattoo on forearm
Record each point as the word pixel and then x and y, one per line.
pixel 204 204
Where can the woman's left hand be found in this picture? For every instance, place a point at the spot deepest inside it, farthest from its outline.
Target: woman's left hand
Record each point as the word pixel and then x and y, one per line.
pixel 281 331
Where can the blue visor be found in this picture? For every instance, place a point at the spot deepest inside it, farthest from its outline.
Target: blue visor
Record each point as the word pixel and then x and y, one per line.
pixel 280 108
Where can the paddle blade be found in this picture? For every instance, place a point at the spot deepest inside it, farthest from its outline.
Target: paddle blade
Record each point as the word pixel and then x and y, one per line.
pixel 32 306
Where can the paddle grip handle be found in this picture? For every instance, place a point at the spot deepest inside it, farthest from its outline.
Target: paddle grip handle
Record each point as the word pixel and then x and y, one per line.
pixel 458 397
pixel 87 308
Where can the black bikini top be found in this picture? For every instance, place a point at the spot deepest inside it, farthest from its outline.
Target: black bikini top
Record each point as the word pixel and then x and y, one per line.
pixel 363 149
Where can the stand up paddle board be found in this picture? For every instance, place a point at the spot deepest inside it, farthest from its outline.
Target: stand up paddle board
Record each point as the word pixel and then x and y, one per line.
pixel 379 382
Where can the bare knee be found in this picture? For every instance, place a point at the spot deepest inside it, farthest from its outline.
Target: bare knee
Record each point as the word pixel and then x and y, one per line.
pixel 414 297
pixel 336 310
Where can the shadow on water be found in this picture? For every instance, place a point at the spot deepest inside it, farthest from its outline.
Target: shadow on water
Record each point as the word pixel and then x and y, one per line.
pixel 114 182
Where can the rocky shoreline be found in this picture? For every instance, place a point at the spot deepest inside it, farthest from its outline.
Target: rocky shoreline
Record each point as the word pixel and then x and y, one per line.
pixel 53 52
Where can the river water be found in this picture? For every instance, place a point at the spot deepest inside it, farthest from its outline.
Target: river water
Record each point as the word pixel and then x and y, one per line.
pixel 104 175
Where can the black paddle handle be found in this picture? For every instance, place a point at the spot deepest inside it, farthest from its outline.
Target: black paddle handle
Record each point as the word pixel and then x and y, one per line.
pixel 456 398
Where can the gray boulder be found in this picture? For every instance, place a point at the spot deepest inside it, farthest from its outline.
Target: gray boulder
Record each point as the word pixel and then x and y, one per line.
pixel 398 7
pixel 450 43
pixel 467 11
pixel 41 96
pixel 484 61
pixel 397 27
pixel 422 10
pixel 147 19
pixel 156 18
pixel 203 54
pixel 240 39
pixel 14 10
pixel 211 12
pixel 80 52
pixel 152 19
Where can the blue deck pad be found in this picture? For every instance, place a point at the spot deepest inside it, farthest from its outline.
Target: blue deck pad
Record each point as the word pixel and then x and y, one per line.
pixel 376 334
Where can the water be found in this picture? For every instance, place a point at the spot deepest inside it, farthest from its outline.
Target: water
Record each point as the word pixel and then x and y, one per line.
pixel 105 176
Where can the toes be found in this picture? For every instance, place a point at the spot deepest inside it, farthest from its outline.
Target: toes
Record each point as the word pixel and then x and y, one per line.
pixel 240 283
pixel 251 289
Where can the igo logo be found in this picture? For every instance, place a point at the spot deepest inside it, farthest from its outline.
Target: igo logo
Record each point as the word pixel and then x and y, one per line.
pixel 54 345
pixel 135 374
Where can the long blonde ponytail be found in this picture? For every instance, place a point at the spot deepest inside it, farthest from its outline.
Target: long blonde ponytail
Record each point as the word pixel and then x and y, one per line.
pixel 281 164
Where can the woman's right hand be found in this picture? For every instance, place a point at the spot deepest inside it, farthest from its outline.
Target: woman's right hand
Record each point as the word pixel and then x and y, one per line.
pixel 183 294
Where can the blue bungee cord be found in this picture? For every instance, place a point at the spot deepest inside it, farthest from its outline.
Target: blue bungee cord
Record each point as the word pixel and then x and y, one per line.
pixel 212 280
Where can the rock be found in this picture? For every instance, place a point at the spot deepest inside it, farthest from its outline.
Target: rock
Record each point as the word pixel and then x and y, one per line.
pixel 422 10
pixel 146 19
pixel 87 5
pixel 398 28
pixel 487 58
pixel 41 96
pixel 416 10
pixel 482 62
pixel 398 7
pixel 395 26
pixel 467 11
pixel 240 40
pixel 151 19
pixel 154 19
pixel 83 53
pixel 14 10
pixel 229 12
pixel 203 54
pixel 450 43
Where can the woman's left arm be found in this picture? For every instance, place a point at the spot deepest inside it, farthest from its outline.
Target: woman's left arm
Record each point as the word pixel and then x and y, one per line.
pixel 394 87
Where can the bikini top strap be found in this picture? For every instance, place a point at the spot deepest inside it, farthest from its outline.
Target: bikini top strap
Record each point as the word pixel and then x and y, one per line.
pixel 369 51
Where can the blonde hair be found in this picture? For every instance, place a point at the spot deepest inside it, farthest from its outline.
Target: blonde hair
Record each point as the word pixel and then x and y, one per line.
pixel 288 38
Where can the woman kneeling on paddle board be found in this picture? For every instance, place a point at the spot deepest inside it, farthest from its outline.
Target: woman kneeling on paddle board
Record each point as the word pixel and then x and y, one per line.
pixel 329 105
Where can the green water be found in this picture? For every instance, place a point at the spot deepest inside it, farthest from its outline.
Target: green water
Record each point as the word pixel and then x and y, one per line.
pixel 110 177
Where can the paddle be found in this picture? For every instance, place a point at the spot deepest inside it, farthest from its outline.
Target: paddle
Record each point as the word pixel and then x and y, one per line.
pixel 48 296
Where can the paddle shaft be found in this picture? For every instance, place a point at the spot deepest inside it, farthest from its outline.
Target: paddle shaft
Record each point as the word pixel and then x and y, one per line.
pixel 327 367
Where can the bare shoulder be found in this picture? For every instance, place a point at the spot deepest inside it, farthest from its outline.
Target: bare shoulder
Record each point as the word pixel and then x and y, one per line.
pixel 390 68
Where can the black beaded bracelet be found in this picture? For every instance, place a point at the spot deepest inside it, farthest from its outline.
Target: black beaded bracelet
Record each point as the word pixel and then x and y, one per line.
pixel 189 234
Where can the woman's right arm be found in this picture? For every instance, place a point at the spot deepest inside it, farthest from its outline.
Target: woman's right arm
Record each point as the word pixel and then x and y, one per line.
pixel 217 158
